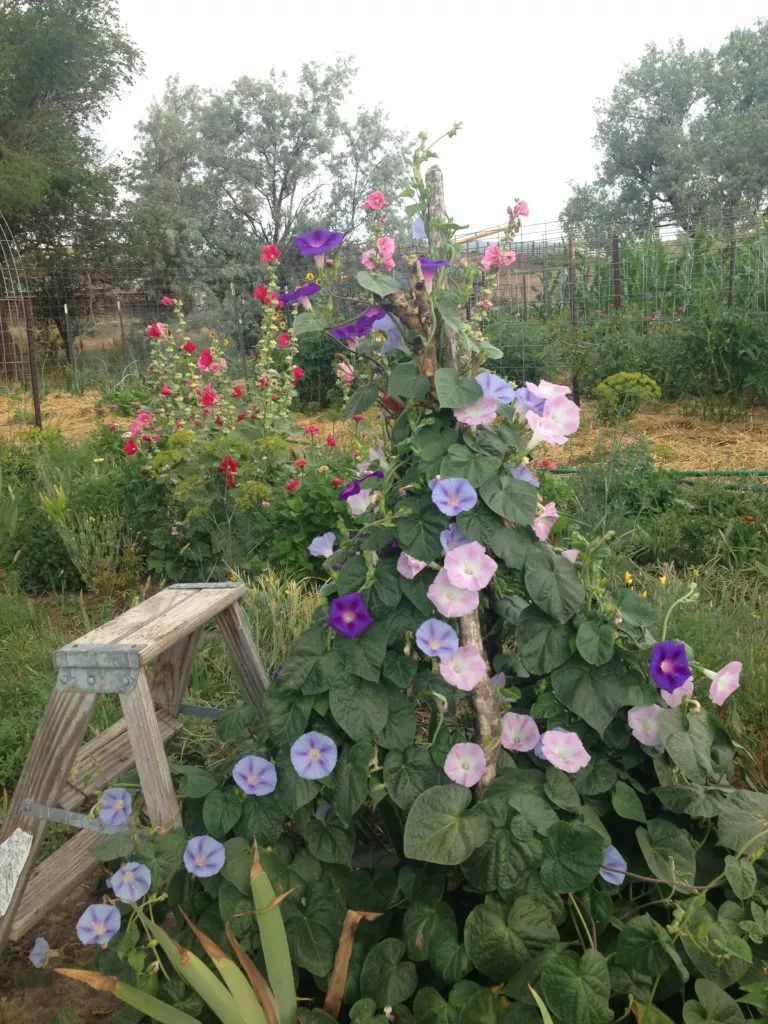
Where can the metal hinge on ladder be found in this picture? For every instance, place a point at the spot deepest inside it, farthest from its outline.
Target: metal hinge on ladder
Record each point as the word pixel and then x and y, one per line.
pixel 98 668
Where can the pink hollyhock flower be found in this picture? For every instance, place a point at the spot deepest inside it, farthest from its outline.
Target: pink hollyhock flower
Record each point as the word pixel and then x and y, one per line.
pixel 167 301
pixel 724 682
pixel 507 257
pixel 675 698
pixel 491 256
pixel 520 210
pixel 367 259
pixel 156 330
pixel 465 764
pixel 544 520
pixel 408 566
pixel 450 600
pixel 464 668
pixel 208 397
pixel 385 246
pixel 469 566
pixel 519 732
pixel 571 554
pixel 375 201
pixel 481 411
pixel 237 391
pixel 345 373
pixel 388 263
pixel 141 423
pixel 645 723
pixel 564 750
pixel 165 390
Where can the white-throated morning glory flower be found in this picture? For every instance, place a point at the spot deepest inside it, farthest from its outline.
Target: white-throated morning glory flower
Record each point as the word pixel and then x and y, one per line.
pixel 98 924
pixel 465 764
pixel 130 882
pixel 464 668
pixel 204 856
pixel 314 755
pixel 454 495
pixel 256 776
pixel 322 546
pixel 519 732
pixel 40 952
pixel 437 639
pixel 469 566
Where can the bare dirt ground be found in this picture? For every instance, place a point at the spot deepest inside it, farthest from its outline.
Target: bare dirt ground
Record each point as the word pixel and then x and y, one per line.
pixel 74 415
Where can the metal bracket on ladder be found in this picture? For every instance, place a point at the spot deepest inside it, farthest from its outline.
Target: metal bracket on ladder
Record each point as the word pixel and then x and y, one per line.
pixel 105 668
pixel 72 818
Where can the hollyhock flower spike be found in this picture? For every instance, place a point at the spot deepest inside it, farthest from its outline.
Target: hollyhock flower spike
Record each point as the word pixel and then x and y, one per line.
pixel 496 387
pixel 564 750
pixel 375 201
pixel 724 682
pixel 317 243
pixel 544 520
pixel 464 668
pixel 675 699
pixel 519 732
pixel 204 856
pixel 668 665
pixel 465 764
pixel 429 268
pixel 98 924
pixel 255 775
pixel 115 807
pixel 470 567
pixel 348 615
pixel 131 882
pixel 300 296
pixel 40 952
pixel 645 723
pixel 314 755
pixel 614 869
pixel 453 538
pixel 478 413
pixel 454 495
pixel 450 600
pixel 156 330
pixel 437 639
pixel 322 546
pixel 409 567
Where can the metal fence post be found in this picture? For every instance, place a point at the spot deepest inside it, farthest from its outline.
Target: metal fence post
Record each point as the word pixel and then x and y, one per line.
pixel 618 299
pixel 33 365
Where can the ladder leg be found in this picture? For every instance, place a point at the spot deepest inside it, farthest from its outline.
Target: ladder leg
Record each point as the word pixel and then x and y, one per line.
pixel 49 762
pixel 149 755
pixel 171 672
pixel 237 635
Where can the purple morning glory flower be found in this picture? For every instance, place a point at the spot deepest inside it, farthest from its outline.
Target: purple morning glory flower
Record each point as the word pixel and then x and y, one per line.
pixel 39 952
pixel 614 869
pixel 348 615
pixel 318 242
pixel 496 387
pixel 429 268
pixel 98 924
pixel 300 295
pixel 359 327
pixel 389 325
pixel 314 755
pixel 322 546
pixel 131 881
pixel 669 666
pixel 255 775
pixel 349 490
pixel 437 639
pixel 418 231
pixel 204 856
pixel 453 538
pixel 115 807
pixel 525 474
pixel 453 495
pixel 526 401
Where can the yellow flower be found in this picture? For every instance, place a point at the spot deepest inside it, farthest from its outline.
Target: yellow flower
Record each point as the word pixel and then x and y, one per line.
pixel 663 580
pixel 629 579
pixel 644 593
pixel 310 276
pixel 98 460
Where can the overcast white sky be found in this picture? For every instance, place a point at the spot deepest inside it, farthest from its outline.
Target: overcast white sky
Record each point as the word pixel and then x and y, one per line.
pixel 523 77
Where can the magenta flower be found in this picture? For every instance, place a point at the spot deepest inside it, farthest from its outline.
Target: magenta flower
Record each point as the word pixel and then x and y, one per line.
pixel 464 668
pixel 40 952
pixel 491 256
pixel 470 567
pixel 450 600
pixel 409 567
pixel 614 869
pixel 465 764
pixel 204 856
pixel 454 495
pixel 322 546
pixel 255 775
pixel 314 755
pixel 519 732
pixel 675 699
pixel 318 242
pixel 724 682
pixel 482 411
pixel 452 538
pixel 301 296
pixel 520 210
pixel 668 666
pixel 645 723
pixel 130 882
pixel 564 750
pixel 437 639
pixel 544 520
pixel 115 807
pixel 429 268
pixel 98 924
pixel 348 615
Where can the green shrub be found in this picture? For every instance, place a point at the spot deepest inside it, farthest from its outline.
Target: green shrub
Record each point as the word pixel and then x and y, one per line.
pixel 621 395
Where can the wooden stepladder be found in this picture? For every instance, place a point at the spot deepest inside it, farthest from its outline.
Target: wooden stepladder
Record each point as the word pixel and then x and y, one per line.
pixel 145 656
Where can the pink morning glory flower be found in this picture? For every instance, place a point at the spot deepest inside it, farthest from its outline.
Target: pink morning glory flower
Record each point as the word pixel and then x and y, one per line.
pixel 98 924
pixel 204 856
pixel 452 538
pixel 348 615
pixel 255 775
pixel 614 869
pixel 322 546
pixel 437 639
pixel 724 682
pixel 450 600
pixel 131 882
pixel 546 389
pixel 470 567
pixel 464 668
pixel 559 420
pixel 571 554
pixel 481 411
pixel 519 732
pixel 668 665
pixel 409 567
pixel 544 520
pixel 115 807
pixel 454 495
pixel 465 764
pixel 564 750
pixel 314 755
pixel 359 503
pixel 40 952
pixel 675 698
pixel 496 387
pixel 645 723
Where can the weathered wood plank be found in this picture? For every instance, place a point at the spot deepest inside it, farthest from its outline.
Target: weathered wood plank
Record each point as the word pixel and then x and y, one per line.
pixel 239 640
pixel 171 671
pixel 155 637
pixel 149 755
pixel 116 630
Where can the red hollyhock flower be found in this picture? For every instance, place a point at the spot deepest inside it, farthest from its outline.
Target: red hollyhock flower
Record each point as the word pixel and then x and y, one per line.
pixel 330 441
pixel 312 428
pixel 156 330
pixel 219 422
pixel 284 339
pixel 270 254
pixel 167 301
pixel 293 485
pixel 358 417
pixel 205 359
pixel 130 447
pixel 237 391
pixel 300 463
pixel 298 373
pixel 263 382
pixel 260 292
pixel 189 346
pixel 229 467
pixel 208 397
pixel 165 390
pixel 337 482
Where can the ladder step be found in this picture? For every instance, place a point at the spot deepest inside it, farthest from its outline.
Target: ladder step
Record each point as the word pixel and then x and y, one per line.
pixel 53 880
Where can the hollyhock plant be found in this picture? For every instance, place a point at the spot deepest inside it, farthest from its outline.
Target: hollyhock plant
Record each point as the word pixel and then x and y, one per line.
pixel 348 615
pixel 496 387
pixel 131 882
pixel 255 775
pixel 300 296
pixel 465 764
pixel 675 698
pixel 519 732
pixel 450 600
pixel 437 639
pixel 409 567
pixel 724 682
pixel 645 723
pixel 544 520
pixel 208 397
pixel 469 566
pixel 204 856
pixel 454 495
pixel 314 755
pixel 614 867
pixel 564 750
pixel 40 952
pixel 317 243
pixel 322 546
pixel 115 807
pixel 98 924
pixel 668 665
pixel 429 268
pixel 483 411
pixel 464 669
